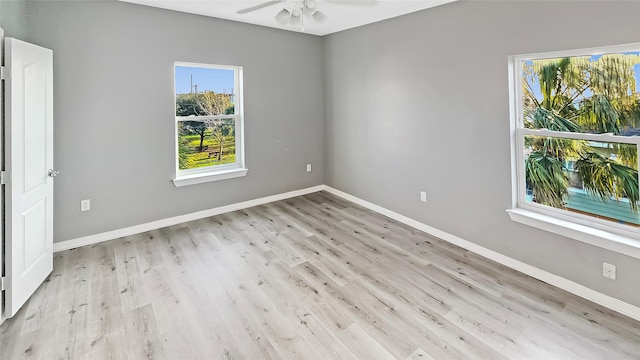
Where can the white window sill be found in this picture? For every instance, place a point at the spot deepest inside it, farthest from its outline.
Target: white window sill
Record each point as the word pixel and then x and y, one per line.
pixel 209 176
pixel 607 240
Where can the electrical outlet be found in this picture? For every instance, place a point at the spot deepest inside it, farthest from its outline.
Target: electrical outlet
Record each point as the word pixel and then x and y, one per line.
pixel 85 205
pixel 423 196
pixel 609 271
pixel 308 167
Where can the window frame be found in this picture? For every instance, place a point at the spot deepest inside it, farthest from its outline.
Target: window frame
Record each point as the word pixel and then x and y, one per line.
pixel 606 234
pixel 213 172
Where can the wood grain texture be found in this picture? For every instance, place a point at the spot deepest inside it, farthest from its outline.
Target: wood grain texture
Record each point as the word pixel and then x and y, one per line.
pixel 312 277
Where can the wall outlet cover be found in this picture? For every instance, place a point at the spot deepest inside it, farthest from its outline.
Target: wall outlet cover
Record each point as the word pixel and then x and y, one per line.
pixel 609 271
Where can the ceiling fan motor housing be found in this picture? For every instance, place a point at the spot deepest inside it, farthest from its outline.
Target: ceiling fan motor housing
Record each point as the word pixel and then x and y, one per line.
pixel 293 13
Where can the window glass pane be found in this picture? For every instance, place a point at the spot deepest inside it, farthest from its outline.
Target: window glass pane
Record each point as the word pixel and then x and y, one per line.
pixel 588 94
pixel 204 91
pixel 206 143
pixel 594 178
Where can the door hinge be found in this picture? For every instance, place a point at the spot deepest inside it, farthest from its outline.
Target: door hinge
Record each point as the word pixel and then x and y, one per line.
pixel 3 287
pixel 2 177
pixel 2 77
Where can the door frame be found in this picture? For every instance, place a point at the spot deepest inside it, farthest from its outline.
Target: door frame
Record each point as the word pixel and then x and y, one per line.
pixel 2 164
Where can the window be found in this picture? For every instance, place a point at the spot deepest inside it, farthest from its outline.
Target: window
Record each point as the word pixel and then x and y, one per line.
pixel 575 121
pixel 209 123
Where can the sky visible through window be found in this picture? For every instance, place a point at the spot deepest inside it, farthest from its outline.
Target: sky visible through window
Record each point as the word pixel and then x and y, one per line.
pixel 217 80
pixel 536 84
pixel 592 94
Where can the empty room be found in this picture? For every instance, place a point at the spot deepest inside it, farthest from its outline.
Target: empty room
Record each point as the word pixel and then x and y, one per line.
pixel 320 179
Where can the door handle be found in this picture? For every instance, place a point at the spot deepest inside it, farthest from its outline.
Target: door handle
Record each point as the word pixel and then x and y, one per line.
pixel 53 173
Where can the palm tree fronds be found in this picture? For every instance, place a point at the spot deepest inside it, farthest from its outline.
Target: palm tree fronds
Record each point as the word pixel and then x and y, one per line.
pixel 613 75
pixel 627 154
pixel 545 176
pixel 598 114
pixel 585 94
pixel 542 118
pixel 557 75
pixel 606 178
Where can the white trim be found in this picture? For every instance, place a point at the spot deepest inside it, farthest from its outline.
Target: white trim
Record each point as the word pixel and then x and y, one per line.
pixel 2 238
pixel 587 234
pixel 608 49
pixel 607 228
pixel 601 138
pixel 238 116
pixel 604 233
pixel 206 117
pixel 209 176
pixel 137 229
pixel 204 65
pixel 555 280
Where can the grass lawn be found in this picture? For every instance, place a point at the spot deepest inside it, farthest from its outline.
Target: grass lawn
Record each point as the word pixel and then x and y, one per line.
pixel 197 159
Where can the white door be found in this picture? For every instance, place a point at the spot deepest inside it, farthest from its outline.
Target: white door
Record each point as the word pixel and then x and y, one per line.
pixel 28 161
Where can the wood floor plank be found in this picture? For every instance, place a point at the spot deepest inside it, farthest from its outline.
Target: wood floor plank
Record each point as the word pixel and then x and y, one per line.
pixel 311 277
pixel 420 354
pixel 376 315
pixel 363 345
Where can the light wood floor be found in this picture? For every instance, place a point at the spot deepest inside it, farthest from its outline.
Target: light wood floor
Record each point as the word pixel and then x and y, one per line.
pixel 314 277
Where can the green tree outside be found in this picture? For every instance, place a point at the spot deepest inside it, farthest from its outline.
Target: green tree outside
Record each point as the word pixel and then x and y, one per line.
pixel 581 95
pixel 205 142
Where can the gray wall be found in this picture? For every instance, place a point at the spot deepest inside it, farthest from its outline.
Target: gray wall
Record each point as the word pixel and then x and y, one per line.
pixel 420 102
pixel 114 108
pixel 413 103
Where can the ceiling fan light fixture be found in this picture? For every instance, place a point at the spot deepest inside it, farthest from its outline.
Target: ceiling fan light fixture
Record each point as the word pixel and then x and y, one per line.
pixel 283 16
pixel 319 16
pixel 296 12
pixel 295 20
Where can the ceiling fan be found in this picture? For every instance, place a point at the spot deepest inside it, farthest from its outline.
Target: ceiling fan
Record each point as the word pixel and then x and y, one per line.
pixel 296 11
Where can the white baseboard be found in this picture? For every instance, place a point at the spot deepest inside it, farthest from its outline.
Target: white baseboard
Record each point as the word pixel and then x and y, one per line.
pixel 153 225
pixel 555 280
pixel 568 285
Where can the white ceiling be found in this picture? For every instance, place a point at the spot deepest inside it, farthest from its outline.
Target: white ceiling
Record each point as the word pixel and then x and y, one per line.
pixel 340 14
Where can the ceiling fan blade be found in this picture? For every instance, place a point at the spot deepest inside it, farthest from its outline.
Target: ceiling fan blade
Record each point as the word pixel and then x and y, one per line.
pixel 353 2
pixel 258 7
